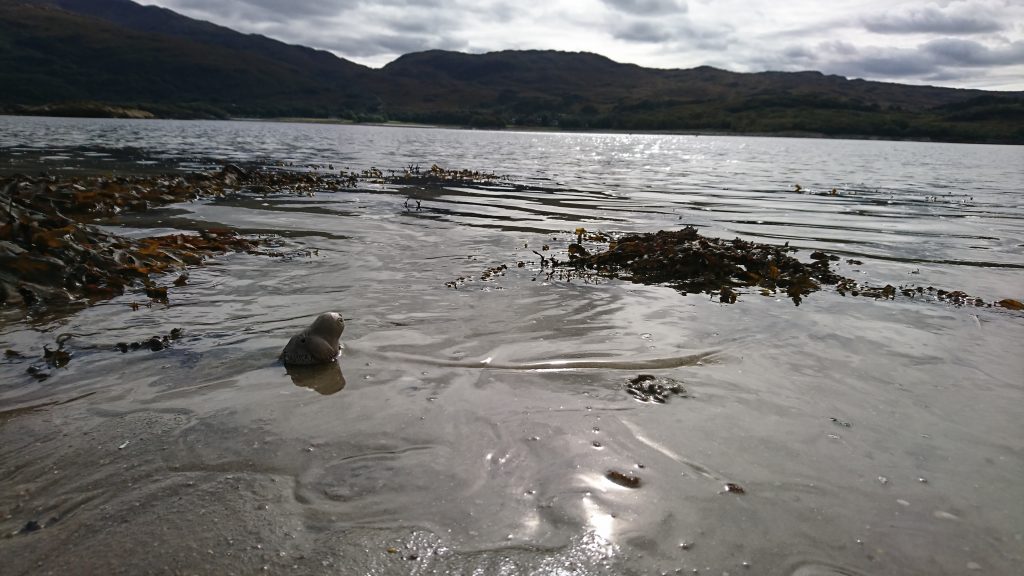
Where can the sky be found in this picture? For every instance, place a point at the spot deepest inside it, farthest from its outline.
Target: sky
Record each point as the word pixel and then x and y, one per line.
pixel 961 43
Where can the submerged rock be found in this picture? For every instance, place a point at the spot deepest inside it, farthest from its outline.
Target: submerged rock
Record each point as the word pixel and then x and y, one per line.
pixel 650 388
pixel 624 479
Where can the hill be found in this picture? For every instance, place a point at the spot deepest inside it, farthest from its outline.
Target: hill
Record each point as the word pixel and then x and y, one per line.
pixel 579 90
pixel 118 52
pixel 73 55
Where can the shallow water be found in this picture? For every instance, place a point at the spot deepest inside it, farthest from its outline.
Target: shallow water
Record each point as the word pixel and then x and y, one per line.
pixel 474 430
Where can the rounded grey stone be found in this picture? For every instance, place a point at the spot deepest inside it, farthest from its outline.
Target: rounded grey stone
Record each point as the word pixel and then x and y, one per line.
pixel 318 344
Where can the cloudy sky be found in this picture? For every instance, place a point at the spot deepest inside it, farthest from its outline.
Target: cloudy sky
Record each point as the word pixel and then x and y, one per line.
pixel 961 43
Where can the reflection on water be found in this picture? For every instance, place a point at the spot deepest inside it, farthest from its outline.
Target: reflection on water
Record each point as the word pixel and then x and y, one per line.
pixel 326 379
pixel 478 426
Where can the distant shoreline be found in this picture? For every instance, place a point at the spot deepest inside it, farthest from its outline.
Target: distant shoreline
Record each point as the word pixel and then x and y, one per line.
pixel 129 113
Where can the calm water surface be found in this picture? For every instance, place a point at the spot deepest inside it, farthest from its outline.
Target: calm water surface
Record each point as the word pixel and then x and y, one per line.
pixel 472 430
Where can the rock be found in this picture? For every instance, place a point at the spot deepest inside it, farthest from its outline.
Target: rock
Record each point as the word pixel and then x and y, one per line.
pixel 318 344
pixel 232 174
pixel 30 526
pixel 650 388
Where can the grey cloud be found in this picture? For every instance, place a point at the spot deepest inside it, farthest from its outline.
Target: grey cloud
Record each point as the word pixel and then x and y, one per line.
pixel 957 52
pixel 419 25
pixel 886 66
pixel 255 10
pixel 352 28
pixel 388 44
pixel 837 47
pixel 705 38
pixel 676 32
pixel 932 20
pixel 251 10
pixel 798 54
pixel 937 61
pixel 644 31
pixel 647 7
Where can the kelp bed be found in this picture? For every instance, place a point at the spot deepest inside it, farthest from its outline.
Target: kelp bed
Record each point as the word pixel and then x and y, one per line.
pixel 692 263
pixel 689 262
pixel 50 255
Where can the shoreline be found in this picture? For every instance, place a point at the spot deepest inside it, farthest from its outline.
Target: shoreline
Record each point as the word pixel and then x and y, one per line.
pixel 143 115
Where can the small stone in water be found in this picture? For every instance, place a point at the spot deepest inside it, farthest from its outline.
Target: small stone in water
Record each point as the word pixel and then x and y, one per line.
pixel 649 388
pixel 30 526
pixel 625 480
pixel 37 372
pixel 734 488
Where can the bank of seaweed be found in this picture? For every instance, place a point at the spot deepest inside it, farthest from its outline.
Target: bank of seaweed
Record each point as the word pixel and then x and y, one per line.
pixel 693 263
pixel 690 262
pixel 53 254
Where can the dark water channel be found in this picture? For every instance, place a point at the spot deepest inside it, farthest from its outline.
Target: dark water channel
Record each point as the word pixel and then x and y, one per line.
pixel 487 429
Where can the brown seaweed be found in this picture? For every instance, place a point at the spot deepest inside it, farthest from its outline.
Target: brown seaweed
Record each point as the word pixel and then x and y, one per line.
pixel 50 254
pixel 690 262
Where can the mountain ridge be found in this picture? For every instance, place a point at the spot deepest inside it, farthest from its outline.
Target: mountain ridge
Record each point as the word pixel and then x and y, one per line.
pixel 59 54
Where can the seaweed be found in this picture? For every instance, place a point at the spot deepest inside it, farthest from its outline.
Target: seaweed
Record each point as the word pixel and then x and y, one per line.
pixel 51 254
pixel 692 263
